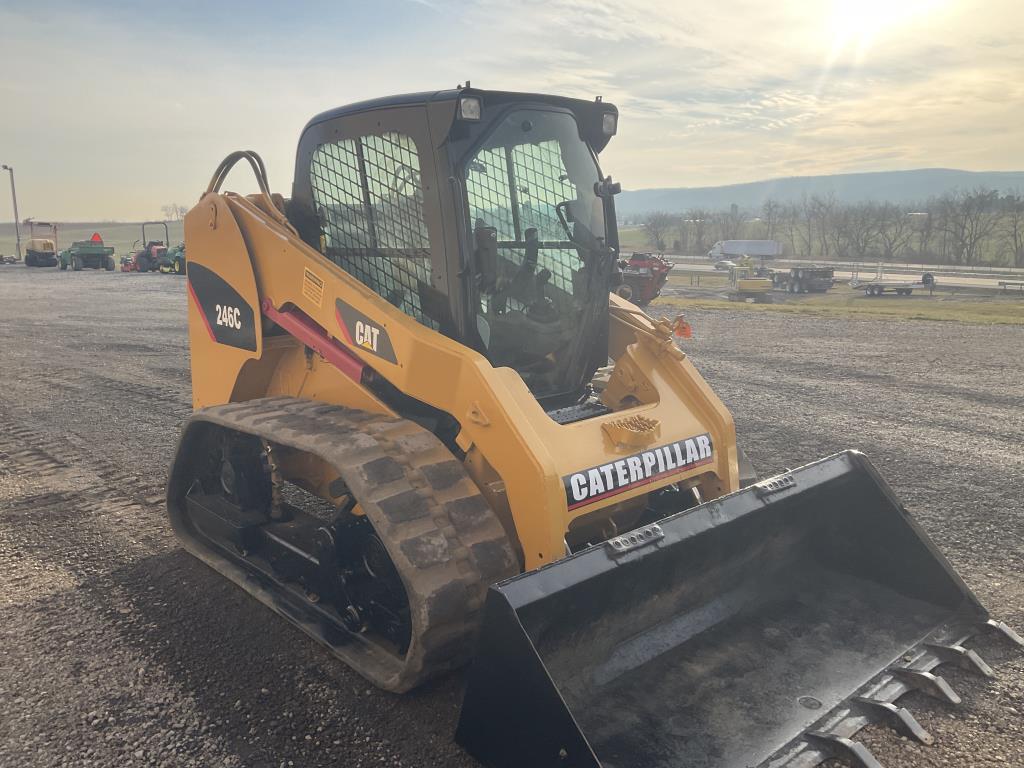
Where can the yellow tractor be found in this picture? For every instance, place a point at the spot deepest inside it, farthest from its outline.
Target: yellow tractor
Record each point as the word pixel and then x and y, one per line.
pixel 427 431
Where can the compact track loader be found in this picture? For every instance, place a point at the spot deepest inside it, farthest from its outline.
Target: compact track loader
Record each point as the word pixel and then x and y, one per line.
pixel 427 429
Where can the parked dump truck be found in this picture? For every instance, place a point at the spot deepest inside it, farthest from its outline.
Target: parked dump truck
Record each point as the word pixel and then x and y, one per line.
pixel 40 252
pixel 643 276
pixel 804 279
pixel 410 442
pixel 88 254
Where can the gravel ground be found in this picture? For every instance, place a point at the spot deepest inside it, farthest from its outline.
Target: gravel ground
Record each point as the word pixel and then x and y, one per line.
pixel 117 649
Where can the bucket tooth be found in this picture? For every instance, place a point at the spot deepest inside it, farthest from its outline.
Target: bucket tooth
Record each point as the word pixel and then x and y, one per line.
pixel 926 682
pixel 964 658
pixel 853 752
pixel 897 718
pixel 993 625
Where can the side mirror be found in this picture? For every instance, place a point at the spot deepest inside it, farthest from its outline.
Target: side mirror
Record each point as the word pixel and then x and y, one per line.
pixel 607 188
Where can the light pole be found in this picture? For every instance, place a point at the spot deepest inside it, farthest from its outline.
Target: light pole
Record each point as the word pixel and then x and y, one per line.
pixel 14 199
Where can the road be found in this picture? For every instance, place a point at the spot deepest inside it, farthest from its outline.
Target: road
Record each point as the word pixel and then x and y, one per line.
pixel 118 649
pixel 869 273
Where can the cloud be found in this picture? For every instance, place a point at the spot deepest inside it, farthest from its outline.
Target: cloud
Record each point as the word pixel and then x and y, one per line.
pixel 137 103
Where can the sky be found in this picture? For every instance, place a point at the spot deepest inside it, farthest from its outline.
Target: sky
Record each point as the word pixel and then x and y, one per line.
pixel 111 109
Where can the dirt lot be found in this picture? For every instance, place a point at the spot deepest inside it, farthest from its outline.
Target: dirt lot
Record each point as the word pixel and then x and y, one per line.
pixel 116 648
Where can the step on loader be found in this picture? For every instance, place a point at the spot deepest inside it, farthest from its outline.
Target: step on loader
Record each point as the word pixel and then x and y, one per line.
pixel 427 430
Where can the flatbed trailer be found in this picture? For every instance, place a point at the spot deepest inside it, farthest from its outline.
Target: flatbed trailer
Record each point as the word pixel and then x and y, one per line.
pixel 878 286
pixel 808 278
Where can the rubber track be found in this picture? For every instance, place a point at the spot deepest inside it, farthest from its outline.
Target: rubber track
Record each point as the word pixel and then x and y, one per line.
pixel 446 543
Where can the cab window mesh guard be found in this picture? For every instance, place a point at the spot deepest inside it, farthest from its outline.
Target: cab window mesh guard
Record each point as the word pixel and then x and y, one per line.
pixel 369 200
pixel 515 189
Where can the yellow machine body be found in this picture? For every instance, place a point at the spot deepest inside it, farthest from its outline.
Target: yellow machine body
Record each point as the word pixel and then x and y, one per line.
pixel 515 452
pixel 41 244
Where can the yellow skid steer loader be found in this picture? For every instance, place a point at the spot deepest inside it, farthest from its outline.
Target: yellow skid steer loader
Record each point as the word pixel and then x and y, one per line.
pixel 427 430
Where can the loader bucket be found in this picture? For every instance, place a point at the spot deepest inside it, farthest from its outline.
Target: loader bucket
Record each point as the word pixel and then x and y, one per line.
pixel 760 629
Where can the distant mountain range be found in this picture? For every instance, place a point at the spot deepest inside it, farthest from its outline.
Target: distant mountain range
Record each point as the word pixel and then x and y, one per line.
pixel 893 186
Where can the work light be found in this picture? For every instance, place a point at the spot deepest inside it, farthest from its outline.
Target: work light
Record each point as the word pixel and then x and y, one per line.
pixel 609 123
pixel 470 108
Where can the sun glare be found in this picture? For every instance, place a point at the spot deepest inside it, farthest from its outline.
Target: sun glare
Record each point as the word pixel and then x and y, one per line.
pixel 857 24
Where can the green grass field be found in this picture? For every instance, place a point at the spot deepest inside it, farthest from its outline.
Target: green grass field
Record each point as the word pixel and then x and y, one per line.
pixel 119 235
pixel 844 301
pixel 680 278
pixel 632 239
pixel 840 301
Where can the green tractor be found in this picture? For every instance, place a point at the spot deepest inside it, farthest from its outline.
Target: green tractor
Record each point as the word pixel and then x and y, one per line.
pixel 172 261
pixel 88 254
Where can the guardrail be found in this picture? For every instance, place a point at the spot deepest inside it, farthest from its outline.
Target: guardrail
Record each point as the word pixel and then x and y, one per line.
pixel 954 270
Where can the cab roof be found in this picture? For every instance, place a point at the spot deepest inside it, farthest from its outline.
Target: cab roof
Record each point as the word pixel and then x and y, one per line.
pixel 580 107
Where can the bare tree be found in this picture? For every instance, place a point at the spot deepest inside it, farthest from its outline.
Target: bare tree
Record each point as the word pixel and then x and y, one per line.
pixel 693 227
pixel 807 229
pixel 922 225
pixel 794 223
pixel 821 212
pixel 173 211
pixel 969 218
pixel 836 228
pixel 958 227
pixel 894 229
pixel 728 224
pixel 862 224
pixel 770 217
pixel 656 227
pixel 1013 228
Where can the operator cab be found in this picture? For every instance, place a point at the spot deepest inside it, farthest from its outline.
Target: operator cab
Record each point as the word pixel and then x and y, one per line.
pixel 482 214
